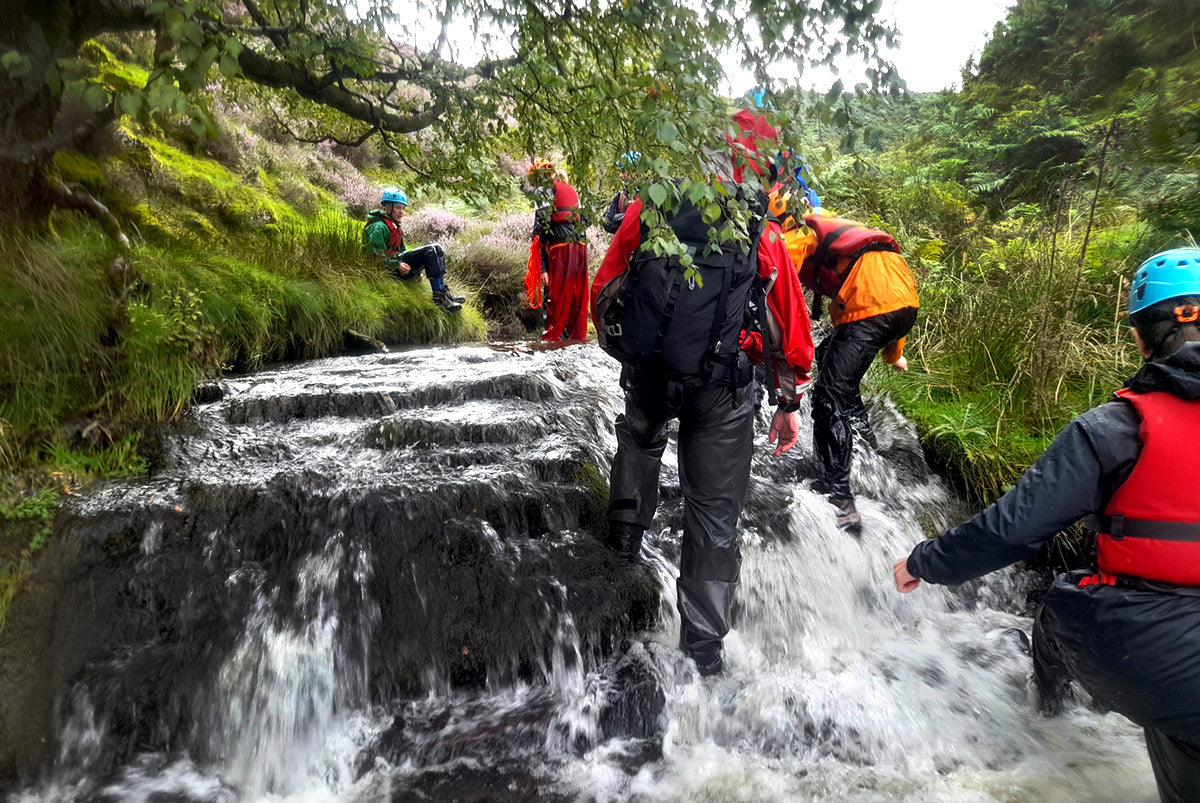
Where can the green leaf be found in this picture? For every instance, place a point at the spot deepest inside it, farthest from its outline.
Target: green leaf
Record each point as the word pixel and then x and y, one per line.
pixel 658 194
pixel 192 32
pixel 157 7
pixel 229 66
pixel 15 64
pixel 233 47
pixel 96 97
pixel 667 132
pixel 711 213
pixel 54 80
pixel 131 104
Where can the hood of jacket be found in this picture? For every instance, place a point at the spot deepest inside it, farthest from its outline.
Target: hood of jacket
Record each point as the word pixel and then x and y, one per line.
pixel 1178 374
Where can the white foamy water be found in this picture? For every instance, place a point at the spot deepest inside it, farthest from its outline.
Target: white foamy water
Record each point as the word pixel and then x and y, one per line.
pixel 837 688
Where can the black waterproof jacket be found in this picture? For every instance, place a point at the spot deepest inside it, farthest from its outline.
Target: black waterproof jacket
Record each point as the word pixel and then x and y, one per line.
pixel 1135 649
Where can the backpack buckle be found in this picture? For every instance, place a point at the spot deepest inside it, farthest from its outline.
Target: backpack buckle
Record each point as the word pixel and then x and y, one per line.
pixel 614 330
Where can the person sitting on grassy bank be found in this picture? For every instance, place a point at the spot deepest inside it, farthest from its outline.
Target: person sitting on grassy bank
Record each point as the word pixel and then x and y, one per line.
pixel 384 237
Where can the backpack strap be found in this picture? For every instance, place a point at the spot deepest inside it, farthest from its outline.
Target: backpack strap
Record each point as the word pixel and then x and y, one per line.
pixel 821 255
pixel 714 356
pixel 668 314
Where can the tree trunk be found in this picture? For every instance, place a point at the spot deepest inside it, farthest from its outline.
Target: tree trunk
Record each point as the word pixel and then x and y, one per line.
pixel 30 129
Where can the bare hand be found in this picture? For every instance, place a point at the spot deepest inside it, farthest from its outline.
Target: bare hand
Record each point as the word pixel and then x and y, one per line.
pixel 404 268
pixel 905 582
pixel 783 428
pixel 901 363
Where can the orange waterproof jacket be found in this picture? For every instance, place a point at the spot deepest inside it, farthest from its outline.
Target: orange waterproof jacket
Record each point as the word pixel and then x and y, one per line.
pixel 877 282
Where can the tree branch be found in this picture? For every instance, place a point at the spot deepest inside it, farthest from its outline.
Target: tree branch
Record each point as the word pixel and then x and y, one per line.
pixel 350 143
pixel 284 75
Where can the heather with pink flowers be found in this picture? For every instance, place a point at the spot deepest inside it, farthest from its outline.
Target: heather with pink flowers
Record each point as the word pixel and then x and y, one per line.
pixel 432 224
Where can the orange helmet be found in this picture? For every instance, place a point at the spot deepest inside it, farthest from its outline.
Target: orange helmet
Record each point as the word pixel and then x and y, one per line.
pixel 778 201
pixel 540 165
pixel 801 244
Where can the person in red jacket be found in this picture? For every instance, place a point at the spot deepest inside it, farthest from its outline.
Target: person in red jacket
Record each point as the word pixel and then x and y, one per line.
pixel 1128 628
pixel 558 255
pixel 679 333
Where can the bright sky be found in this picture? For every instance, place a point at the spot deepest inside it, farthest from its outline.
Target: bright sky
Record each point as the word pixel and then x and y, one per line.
pixel 938 36
pixel 936 39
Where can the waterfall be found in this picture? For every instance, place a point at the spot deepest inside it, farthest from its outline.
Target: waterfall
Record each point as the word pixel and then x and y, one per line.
pixel 378 578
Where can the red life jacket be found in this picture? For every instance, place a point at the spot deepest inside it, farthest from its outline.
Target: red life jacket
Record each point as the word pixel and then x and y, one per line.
pixel 566 203
pixel 396 240
pixel 1151 527
pixel 839 239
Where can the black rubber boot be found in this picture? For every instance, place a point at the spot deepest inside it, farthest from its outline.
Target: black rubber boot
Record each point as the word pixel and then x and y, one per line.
pixel 626 540
pixel 445 302
pixel 709 661
pixel 450 294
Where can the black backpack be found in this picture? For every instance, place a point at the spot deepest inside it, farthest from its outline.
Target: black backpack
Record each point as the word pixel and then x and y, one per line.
pixel 684 325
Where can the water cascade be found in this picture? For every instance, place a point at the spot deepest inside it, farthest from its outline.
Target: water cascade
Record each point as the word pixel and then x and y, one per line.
pixel 377 578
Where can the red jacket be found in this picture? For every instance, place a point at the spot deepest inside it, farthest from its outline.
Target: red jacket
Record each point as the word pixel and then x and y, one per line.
pixel 792 359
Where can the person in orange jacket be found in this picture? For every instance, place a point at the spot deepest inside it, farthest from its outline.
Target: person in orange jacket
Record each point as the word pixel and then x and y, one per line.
pixel 873 305
pixel 558 268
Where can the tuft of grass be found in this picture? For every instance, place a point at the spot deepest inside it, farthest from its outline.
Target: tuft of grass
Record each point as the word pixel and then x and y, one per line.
pixel 966 433
pixel 25 527
pixel 120 458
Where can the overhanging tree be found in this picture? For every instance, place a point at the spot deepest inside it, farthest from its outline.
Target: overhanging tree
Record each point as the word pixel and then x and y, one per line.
pixel 588 79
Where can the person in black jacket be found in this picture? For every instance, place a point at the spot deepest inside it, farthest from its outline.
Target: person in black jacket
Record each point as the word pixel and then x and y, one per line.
pixel 1128 630
pixel 615 214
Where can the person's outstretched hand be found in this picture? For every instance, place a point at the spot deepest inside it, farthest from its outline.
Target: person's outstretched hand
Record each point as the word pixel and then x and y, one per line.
pixel 905 582
pixel 783 429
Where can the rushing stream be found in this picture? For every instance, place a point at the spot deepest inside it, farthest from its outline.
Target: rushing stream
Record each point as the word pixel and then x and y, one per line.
pixel 377 579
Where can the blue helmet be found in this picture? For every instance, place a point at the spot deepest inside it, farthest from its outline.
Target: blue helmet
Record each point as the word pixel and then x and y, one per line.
pixel 1167 275
pixel 393 195
pixel 628 160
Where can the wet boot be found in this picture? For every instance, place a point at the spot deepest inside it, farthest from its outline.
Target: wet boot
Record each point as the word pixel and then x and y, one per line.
pixel 626 540
pixel 710 660
pixel 445 302
pixel 847 515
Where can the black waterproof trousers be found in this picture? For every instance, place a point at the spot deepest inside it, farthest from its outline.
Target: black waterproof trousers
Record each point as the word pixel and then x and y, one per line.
pixel 1136 652
pixel 716 427
pixel 843 358
pixel 428 259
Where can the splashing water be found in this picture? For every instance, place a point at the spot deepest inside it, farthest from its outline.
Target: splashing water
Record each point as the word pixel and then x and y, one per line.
pixel 385 584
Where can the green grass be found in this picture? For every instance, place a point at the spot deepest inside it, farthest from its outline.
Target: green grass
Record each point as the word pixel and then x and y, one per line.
pixel 965 433
pixel 72 353
pixel 25 528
